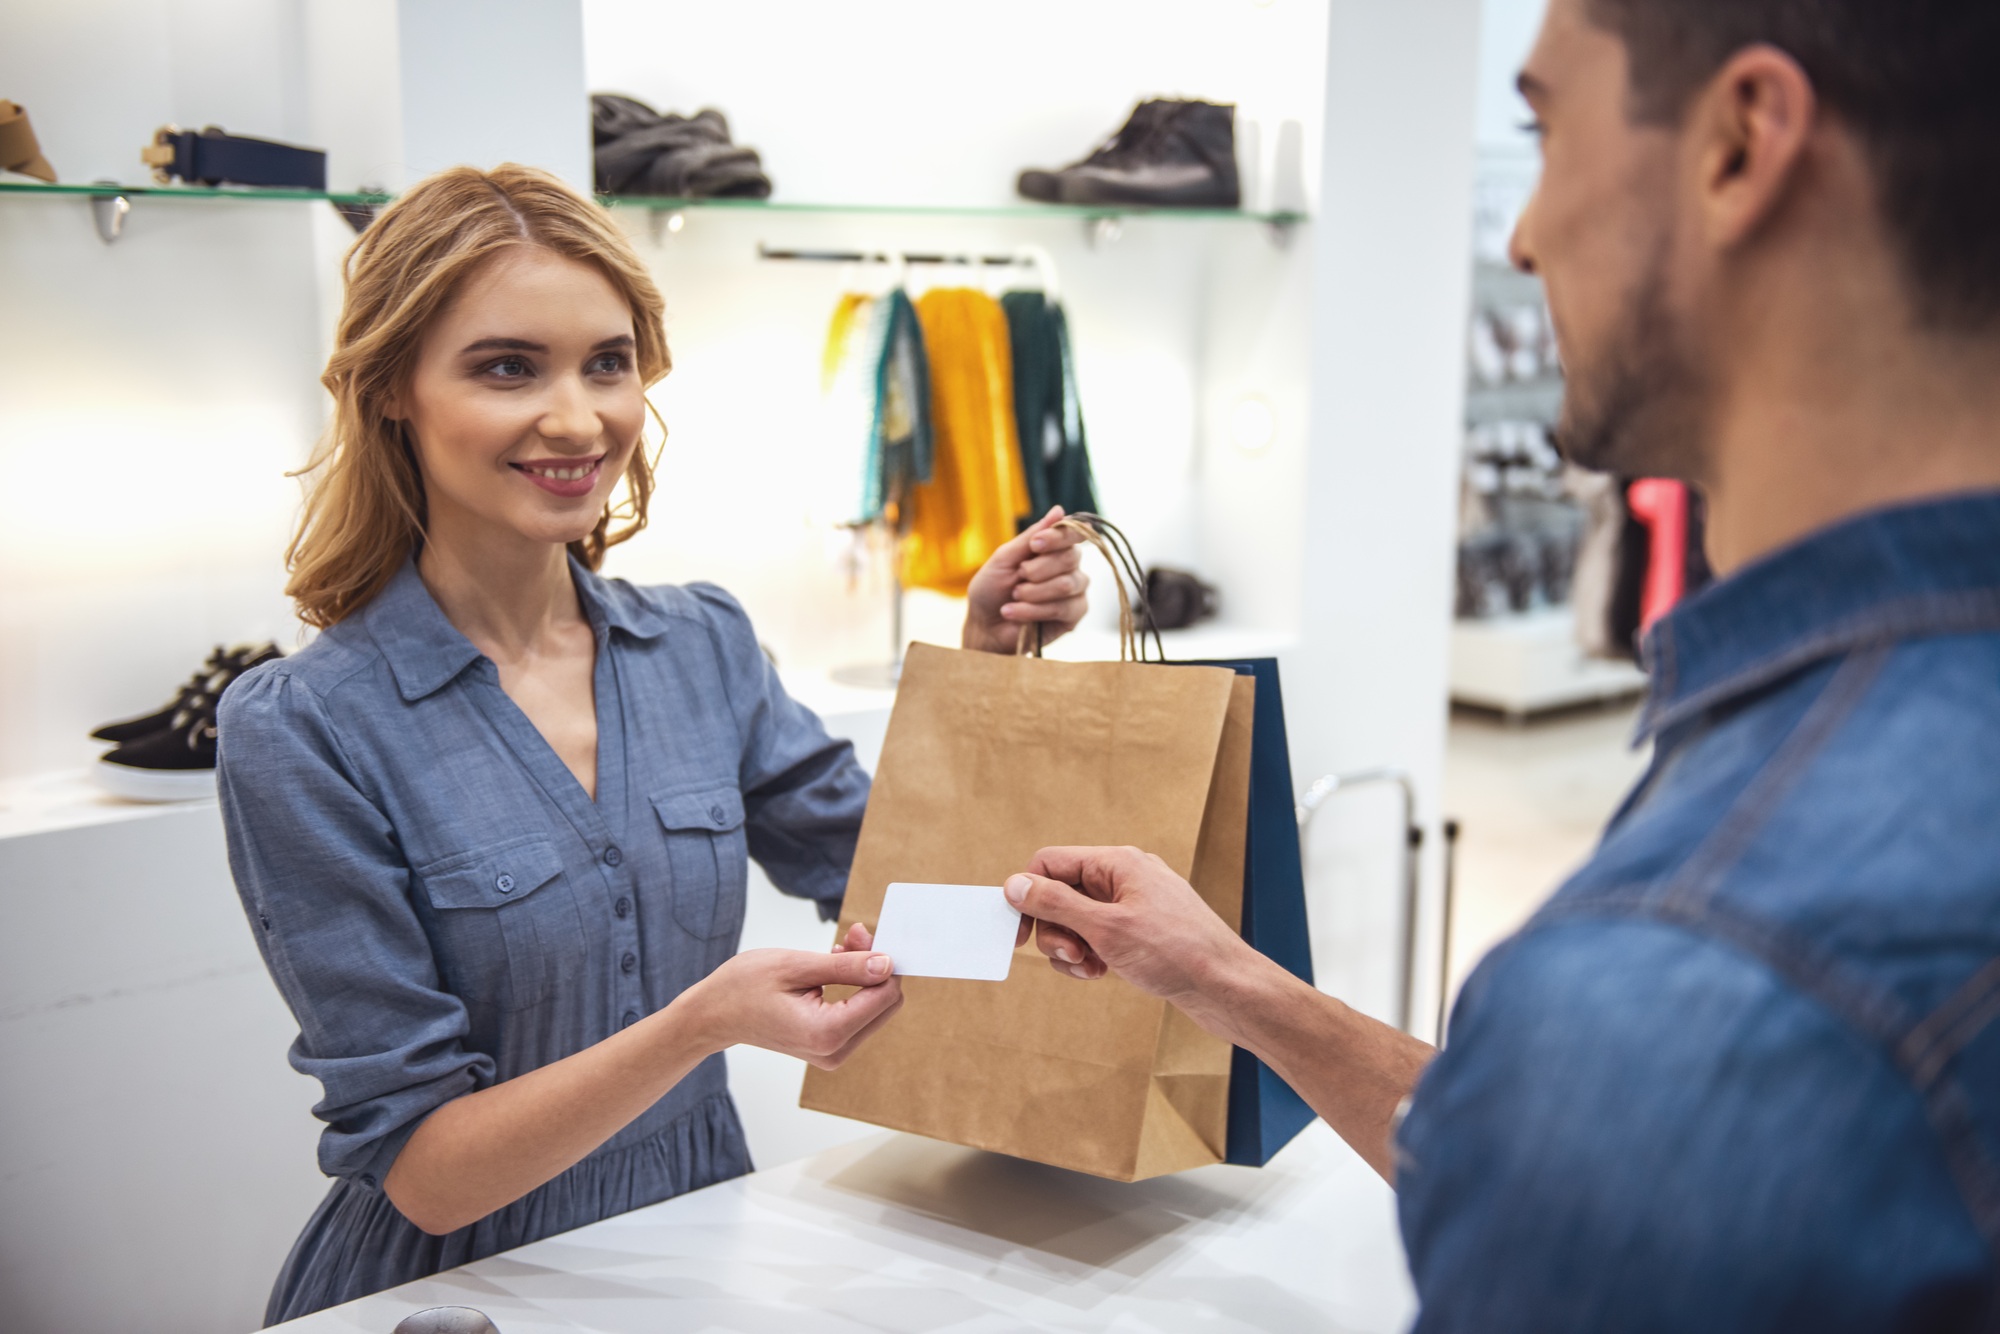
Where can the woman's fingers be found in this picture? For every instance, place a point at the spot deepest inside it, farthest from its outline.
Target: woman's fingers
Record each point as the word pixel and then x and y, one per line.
pixel 1069 584
pixel 1068 612
pixel 1043 568
pixel 833 1060
pixel 857 939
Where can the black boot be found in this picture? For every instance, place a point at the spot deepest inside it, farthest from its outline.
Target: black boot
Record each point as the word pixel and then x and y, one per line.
pixel 1148 117
pixel 1188 161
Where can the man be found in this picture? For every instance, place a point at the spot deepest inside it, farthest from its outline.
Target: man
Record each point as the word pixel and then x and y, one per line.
pixel 1742 1072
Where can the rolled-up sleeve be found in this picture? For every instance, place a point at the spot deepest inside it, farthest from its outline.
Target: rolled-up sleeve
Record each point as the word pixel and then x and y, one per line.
pixel 804 793
pixel 328 897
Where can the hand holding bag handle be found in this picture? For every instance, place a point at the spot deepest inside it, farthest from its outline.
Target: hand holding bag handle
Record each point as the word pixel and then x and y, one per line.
pixel 1116 548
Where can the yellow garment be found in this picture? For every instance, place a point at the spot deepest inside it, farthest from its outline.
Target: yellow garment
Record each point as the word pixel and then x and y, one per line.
pixel 853 307
pixel 977 492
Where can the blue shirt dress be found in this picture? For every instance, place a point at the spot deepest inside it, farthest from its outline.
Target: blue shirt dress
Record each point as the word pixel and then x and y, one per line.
pixel 444 907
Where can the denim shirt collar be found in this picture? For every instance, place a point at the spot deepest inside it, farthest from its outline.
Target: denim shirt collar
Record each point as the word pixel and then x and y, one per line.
pixel 425 651
pixel 1907 572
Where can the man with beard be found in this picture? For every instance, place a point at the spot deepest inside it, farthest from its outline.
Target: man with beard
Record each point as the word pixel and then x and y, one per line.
pixel 1742 1072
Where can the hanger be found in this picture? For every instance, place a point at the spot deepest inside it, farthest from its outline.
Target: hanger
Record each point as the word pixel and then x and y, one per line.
pixel 1044 265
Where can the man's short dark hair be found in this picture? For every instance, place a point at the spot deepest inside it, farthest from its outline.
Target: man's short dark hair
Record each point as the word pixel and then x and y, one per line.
pixel 1917 80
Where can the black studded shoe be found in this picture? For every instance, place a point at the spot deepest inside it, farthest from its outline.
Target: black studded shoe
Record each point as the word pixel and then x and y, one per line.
pixel 176 761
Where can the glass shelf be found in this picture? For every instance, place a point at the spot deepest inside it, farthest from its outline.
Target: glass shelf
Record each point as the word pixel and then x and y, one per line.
pixel 99 190
pixel 661 204
pixel 1086 212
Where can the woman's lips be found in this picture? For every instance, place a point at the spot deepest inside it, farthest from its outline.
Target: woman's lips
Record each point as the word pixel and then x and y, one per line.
pixel 568 478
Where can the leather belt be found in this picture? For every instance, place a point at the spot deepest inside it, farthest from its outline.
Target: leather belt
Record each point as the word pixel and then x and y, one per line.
pixel 212 157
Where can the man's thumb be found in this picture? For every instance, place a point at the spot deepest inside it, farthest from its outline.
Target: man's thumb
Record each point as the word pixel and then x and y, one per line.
pixel 1050 901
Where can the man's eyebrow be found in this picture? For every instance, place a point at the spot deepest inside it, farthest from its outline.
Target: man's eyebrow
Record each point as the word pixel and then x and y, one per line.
pixel 501 345
pixel 1530 87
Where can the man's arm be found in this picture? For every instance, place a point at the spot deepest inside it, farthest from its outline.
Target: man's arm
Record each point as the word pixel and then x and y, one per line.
pixel 1120 910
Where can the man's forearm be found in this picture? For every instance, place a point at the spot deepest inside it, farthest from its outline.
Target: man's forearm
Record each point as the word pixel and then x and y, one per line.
pixel 1352 1070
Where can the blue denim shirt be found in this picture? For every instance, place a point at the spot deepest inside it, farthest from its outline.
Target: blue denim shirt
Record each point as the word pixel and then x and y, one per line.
pixel 1742 1072
pixel 444 907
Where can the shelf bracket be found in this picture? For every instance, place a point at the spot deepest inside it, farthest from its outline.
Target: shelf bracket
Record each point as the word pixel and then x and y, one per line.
pixel 1281 231
pixel 108 213
pixel 1102 230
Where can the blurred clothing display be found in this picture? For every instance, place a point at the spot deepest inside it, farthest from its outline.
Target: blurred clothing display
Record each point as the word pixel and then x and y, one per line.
pixel 20 151
pixel 1169 154
pixel 877 378
pixel 640 151
pixel 1048 418
pixel 1739 1072
pixel 977 493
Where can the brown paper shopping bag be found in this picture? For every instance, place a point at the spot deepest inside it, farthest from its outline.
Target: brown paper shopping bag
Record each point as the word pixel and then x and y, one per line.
pixel 988 759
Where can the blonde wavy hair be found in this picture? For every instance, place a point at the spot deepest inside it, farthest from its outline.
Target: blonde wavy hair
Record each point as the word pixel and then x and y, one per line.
pixel 364 508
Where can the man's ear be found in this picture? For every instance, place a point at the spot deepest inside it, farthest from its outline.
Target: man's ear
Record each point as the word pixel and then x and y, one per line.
pixel 1753 122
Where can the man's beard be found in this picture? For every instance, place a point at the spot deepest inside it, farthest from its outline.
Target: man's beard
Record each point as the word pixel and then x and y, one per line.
pixel 1632 407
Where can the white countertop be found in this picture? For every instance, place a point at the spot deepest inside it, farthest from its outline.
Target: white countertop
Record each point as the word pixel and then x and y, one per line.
pixel 896 1233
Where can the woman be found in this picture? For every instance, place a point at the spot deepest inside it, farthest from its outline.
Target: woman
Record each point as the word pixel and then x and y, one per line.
pixel 491 826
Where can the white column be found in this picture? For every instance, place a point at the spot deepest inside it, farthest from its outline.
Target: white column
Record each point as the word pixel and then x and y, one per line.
pixel 1391 251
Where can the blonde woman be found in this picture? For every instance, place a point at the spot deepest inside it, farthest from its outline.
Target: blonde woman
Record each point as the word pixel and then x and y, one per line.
pixel 492 826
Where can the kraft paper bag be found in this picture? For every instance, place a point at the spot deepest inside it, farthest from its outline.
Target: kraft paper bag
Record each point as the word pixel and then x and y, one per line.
pixel 987 760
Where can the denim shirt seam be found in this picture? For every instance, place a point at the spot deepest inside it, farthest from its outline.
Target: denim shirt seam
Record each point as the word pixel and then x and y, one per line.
pixel 1916 616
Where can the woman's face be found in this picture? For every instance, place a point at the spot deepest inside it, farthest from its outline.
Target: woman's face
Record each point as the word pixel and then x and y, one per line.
pixel 525 404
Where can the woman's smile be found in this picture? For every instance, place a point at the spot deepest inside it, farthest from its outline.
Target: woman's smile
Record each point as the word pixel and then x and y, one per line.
pixel 568 478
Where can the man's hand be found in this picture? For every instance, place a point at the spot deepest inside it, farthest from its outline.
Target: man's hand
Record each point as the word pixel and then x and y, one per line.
pixel 1037 577
pixel 1124 911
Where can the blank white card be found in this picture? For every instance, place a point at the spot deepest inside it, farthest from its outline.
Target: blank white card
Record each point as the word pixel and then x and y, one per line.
pixel 964 931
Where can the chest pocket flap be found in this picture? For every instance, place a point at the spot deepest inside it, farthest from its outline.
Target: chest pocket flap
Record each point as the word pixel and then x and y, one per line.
pixel 708 857
pixel 529 937
pixel 493 877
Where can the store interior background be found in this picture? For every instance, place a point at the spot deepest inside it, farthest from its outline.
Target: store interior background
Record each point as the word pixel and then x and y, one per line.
pixel 1280 410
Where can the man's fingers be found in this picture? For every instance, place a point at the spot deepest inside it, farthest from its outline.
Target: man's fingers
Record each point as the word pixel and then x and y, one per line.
pixel 1096 871
pixel 858 937
pixel 1048 900
pixel 1061 944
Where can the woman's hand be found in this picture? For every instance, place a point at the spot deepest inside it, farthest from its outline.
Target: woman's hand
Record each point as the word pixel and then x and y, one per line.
pixel 1037 577
pixel 776 999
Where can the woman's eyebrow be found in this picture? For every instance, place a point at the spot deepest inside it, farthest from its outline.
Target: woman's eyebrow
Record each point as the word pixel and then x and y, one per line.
pixel 620 340
pixel 501 345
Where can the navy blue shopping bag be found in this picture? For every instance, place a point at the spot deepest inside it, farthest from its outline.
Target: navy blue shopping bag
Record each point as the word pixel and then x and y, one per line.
pixel 1264 1112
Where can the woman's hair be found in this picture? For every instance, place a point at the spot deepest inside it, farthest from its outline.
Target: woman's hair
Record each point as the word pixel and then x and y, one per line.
pixel 364 509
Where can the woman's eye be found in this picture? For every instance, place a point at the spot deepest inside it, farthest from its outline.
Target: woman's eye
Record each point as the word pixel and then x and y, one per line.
pixel 1534 127
pixel 509 368
pixel 608 363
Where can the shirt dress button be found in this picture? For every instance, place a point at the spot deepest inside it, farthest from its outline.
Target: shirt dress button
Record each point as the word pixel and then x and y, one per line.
pixel 631 1018
pixel 612 856
pixel 505 884
pixel 623 907
pixel 629 962
pixel 715 814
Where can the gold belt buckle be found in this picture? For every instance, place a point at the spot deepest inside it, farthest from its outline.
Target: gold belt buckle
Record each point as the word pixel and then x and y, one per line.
pixel 159 155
